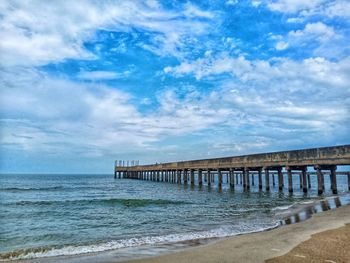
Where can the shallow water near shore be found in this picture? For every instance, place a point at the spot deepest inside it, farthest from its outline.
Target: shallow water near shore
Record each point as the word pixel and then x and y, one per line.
pixel 68 215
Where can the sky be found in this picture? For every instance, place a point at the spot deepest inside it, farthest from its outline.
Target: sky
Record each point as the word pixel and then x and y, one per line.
pixel 85 83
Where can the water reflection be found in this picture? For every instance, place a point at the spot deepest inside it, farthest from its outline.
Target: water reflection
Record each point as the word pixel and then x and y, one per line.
pixel 308 211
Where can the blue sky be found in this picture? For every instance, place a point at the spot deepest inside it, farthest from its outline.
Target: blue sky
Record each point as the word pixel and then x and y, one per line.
pixel 84 83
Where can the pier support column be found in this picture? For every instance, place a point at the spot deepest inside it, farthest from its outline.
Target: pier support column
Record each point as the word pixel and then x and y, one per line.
pixel 219 178
pixel 185 176
pixel 320 185
pixel 252 179
pixel 247 178
pixel 208 177
pixel 267 180
pixel 192 176
pixel 290 179
pixel 333 179
pixel 308 181
pixel 240 178
pixel 200 177
pixel 115 174
pixel 236 178
pixel 301 180
pixel 227 178
pixel 158 176
pixel 280 178
pixel 273 179
pixel 304 180
pixel 260 179
pixel 179 176
pixel 244 175
pixel 232 180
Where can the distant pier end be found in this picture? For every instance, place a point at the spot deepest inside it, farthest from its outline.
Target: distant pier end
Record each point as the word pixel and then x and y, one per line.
pixel 283 164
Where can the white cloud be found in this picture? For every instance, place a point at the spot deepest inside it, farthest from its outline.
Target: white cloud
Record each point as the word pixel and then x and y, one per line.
pixel 261 104
pixel 293 6
pixel 316 38
pixel 44 114
pixel 338 8
pixel 315 70
pixel 280 97
pixel 256 3
pixel 315 31
pixel 102 75
pixel 231 2
pixel 295 20
pixel 282 45
pixel 333 8
pixel 38 32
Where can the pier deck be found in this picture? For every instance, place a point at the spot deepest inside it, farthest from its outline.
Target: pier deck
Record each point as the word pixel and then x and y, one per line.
pixel 325 159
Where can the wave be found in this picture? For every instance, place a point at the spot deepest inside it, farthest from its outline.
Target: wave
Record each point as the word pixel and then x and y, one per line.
pixel 111 202
pixel 70 250
pixel 19 189
pixel 283 208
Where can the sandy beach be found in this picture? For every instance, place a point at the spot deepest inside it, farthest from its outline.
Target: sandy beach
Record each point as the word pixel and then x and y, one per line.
pixel 327 231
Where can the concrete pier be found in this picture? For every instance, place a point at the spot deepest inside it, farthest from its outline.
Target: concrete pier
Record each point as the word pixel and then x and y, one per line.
pixel 242 169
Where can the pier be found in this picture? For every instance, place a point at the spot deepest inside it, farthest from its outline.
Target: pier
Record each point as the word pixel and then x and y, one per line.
pixel 245 169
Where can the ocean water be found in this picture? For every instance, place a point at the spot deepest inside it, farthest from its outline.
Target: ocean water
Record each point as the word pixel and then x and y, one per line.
pixel 60 215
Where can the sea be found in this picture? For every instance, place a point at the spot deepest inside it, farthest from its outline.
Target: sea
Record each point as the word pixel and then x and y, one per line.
pixel 46 217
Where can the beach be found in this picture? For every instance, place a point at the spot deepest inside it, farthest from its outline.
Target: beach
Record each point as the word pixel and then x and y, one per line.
pixel 259 247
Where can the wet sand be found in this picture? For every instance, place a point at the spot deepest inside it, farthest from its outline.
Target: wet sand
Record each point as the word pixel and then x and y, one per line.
pixel 327 246
pixel 259 247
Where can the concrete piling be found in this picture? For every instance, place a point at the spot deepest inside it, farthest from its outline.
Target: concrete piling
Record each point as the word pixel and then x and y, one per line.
pixel 200 182
pixel 260 179
pixel 267 180
pixel 280 178
pixel 247 178
pixel 232 176
pixel 290 180
pixel 303 172
pixel 219 178
pixel 333 179
pixel 320 185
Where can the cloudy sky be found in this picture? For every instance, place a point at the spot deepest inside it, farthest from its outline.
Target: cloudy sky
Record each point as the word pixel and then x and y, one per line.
pixel 84 83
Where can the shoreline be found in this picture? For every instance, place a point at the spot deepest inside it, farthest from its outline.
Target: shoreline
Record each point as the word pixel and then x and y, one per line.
pixel 260 246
